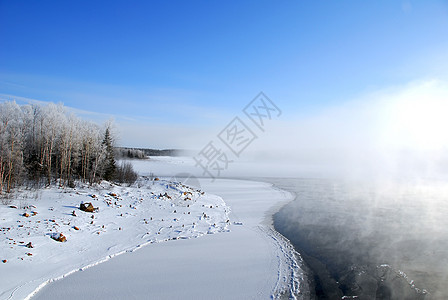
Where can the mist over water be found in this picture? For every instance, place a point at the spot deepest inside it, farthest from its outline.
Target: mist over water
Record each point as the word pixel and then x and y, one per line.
pixel 374 240
pixel 370 217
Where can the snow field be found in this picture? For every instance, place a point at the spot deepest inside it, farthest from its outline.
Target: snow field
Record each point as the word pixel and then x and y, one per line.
pixel 127 218
pixel 250 262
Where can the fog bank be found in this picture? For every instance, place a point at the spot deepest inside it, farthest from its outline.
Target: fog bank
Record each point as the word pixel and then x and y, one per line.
pixel 400 132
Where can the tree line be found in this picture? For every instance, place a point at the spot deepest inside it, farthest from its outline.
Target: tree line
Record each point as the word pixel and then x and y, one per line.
pixel 123 152
pixel 46 144
pixel 143 153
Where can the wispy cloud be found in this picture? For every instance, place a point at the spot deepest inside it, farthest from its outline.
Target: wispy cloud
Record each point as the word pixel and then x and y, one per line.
pixel 83 113
pixel 145 130
pixel 141 103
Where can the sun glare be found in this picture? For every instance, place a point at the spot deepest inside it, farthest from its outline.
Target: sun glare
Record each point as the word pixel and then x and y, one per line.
pixel 417 122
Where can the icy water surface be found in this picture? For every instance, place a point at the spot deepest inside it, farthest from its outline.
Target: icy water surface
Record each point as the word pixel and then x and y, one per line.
pixel 371 240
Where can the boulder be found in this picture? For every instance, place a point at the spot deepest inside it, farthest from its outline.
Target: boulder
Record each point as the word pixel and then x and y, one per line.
pixel 59 237
pixel 87 207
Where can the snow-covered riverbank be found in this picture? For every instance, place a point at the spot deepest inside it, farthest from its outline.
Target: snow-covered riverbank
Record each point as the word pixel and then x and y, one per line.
pixel 127 218
pixel 247 260
pixel 250 262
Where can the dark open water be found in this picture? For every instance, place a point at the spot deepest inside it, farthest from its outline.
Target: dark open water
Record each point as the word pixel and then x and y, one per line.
pixel 370 240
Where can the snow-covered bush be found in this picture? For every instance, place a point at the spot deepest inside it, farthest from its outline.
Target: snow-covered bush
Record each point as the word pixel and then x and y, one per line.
pixel 125 173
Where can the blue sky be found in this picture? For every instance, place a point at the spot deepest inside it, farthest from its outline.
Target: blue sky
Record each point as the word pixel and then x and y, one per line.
pixel 197 63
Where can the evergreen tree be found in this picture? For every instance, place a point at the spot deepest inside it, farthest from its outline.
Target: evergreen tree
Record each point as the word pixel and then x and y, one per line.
pixel 109 162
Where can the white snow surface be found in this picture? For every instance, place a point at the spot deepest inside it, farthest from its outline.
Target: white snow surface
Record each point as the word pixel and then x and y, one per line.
pixel 246 260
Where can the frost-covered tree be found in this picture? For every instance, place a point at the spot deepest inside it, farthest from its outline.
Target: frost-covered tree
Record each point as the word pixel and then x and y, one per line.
pixel 31 148
pixel 11 142
pixel 46 143
pixel 91 152
pixel 50 122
